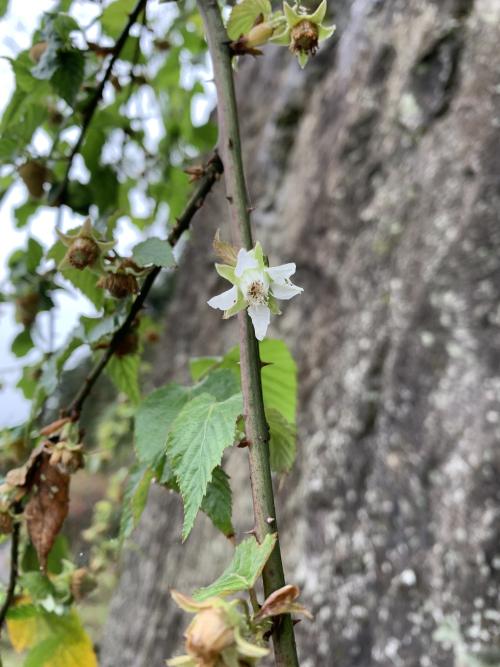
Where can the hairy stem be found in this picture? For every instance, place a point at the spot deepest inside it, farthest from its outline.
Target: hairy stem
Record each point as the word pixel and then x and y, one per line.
pixel 212 173
pixel 257 429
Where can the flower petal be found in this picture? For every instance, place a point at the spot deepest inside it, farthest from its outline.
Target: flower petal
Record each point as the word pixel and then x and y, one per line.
pixel 280 274
pixel 260 316
pixel 245 261
pixel 225 300
pixel 319 14
pixel 286 291
pixel 239 305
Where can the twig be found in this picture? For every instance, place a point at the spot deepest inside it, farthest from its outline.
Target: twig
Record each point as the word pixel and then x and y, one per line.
pixel 257 430
pixel 94 102
pixel 212 172
pixel 14 569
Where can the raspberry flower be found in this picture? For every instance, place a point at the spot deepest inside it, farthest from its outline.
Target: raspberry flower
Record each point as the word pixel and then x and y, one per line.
pixel 256 286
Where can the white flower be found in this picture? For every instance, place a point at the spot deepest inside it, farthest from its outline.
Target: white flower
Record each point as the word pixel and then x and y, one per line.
pixel 256 287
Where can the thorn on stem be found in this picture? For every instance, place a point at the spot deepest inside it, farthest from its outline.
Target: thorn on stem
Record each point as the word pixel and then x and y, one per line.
pixel 270 520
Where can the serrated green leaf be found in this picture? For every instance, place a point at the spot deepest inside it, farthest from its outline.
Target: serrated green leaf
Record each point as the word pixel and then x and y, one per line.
pixel 282 445
pixel 157 412
pixel 279 376
pixel 220 383
pixel 243 571
pixel 124 372
pixel 155 252
pixel 68 74
pixel 199 366
pixel 195 444
pixel 244 14
pixel 153 420
pixel 217 503
pixel 114 17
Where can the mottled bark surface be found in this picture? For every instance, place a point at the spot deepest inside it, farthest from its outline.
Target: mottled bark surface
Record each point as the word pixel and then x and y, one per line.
pixel 378 171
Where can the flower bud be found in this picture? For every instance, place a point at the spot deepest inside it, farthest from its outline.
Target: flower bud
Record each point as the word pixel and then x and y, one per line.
pixel 208 635
pixel 83 252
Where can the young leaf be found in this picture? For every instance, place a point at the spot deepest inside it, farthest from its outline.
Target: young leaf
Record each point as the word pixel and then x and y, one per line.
pixel 282 444
pixel 243 571
pixel 124 372
pixel 196 442
pixel 69 74
pixel 154 252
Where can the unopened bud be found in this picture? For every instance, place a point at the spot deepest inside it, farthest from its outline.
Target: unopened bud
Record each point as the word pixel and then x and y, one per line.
pixel 82 252
pixel 208 635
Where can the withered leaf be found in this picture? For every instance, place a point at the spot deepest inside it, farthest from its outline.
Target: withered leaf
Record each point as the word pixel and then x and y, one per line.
pixel 282 601
pixel 224 251
pixel 54 427
pixel 21 476
pixel 47 507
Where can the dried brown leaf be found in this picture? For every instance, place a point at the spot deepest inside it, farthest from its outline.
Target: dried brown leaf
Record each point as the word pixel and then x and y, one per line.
pixel 21 476
pixel 224 251
pixel 47 507
pixel 282 601
pixel 54 427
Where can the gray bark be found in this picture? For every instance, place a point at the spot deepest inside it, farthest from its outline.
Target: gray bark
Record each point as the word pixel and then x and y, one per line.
pixel 377 171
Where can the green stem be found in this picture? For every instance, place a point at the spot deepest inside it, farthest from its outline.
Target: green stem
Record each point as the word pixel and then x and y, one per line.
pixel 257 430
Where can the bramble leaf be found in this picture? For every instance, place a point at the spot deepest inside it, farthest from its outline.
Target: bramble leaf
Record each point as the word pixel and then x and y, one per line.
pixel 243 571
pixel 154 252
pixel 282 444
pixel 124 372
pixel 196 442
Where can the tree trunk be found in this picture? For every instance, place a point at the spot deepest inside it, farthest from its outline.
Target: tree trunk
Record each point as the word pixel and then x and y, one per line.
pixel 377 171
